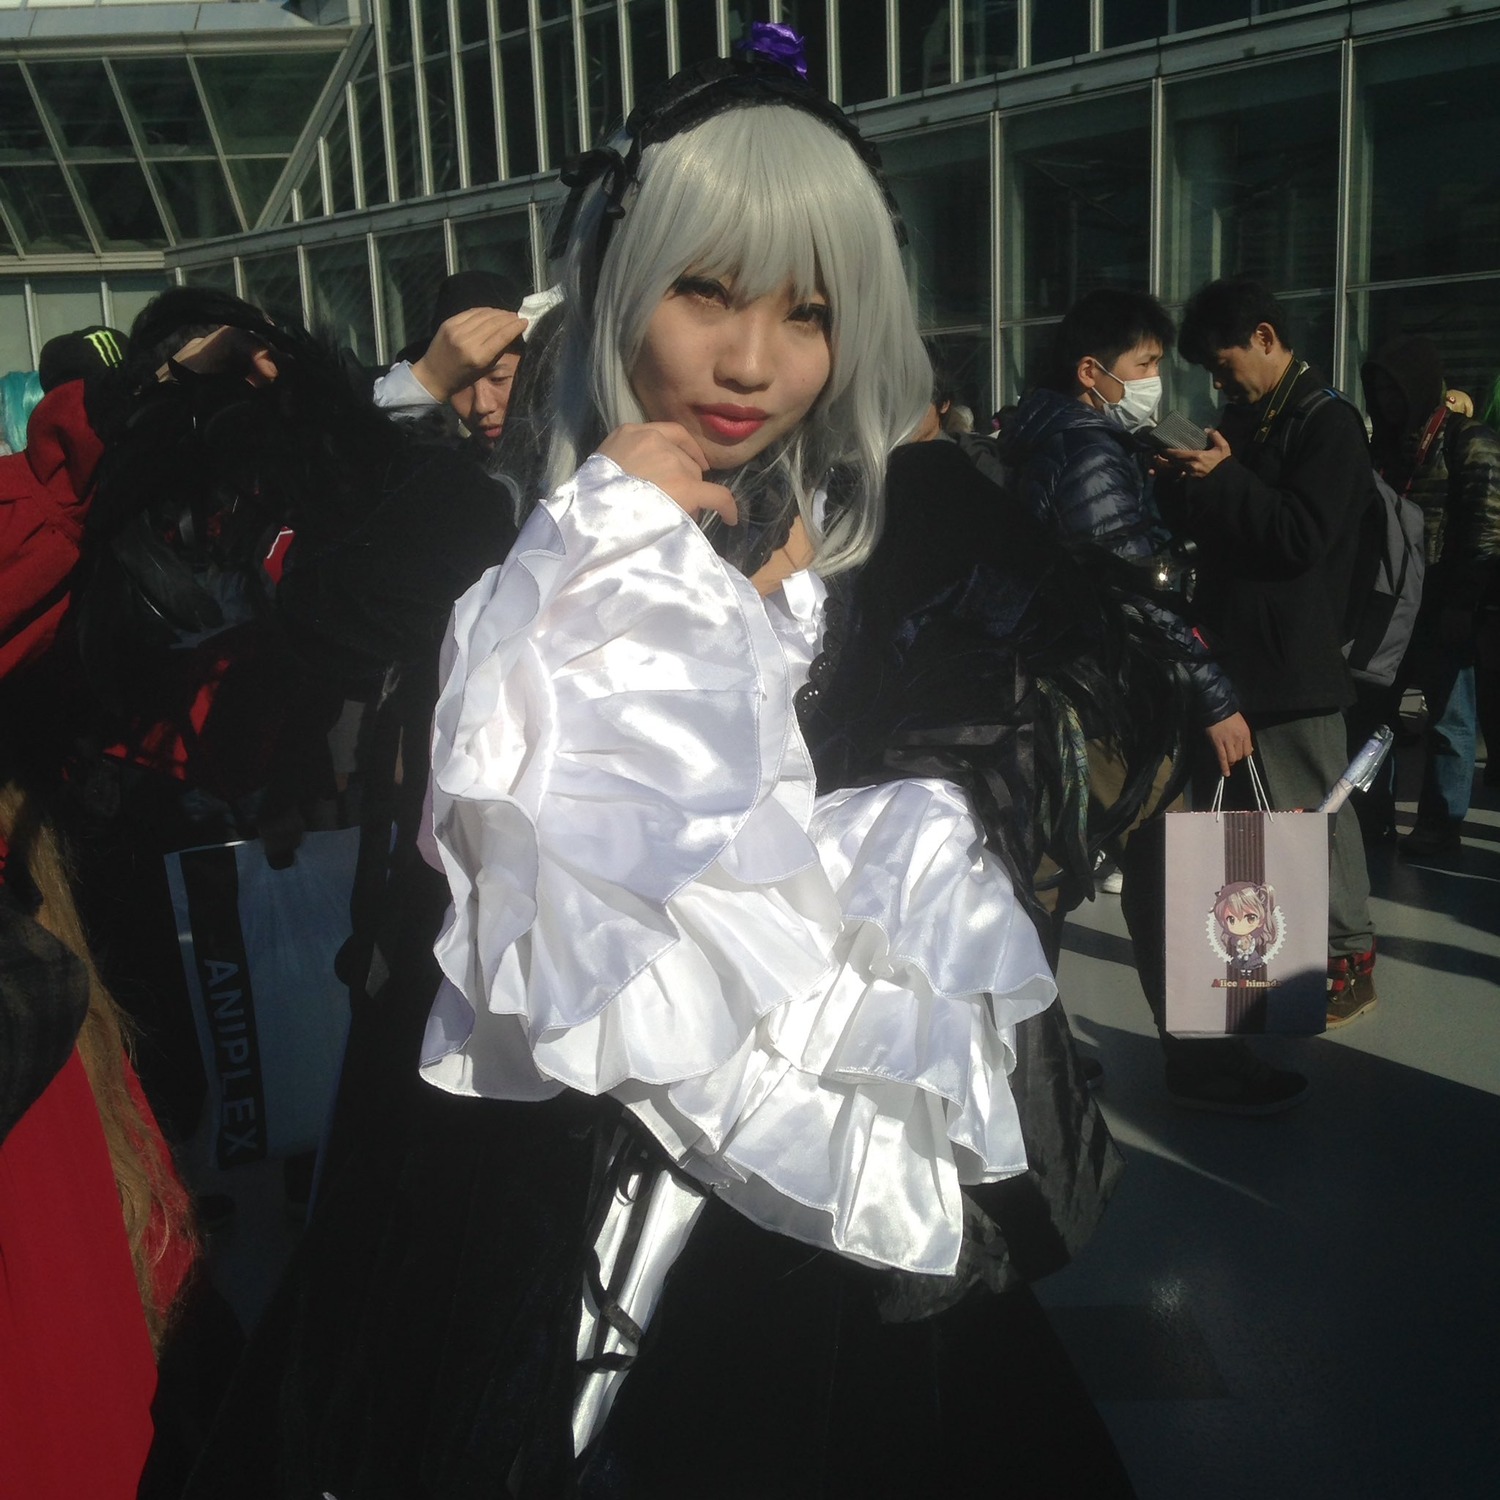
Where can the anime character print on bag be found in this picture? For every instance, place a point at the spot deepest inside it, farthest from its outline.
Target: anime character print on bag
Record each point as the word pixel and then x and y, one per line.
pixel 1247 902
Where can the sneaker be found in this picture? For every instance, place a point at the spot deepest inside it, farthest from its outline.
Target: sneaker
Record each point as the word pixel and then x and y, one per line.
pixel 1351 987
pixel 1427 840
pixel 1240 1084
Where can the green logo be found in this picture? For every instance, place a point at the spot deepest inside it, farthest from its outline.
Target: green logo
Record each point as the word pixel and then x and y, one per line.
pixel 106 346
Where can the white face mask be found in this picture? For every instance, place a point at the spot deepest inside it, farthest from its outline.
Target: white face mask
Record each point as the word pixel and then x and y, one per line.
pixel 1138 403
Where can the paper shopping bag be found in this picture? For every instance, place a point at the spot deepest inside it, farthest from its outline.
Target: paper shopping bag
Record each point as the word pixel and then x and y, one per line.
pixel 1247 922
pixel 258 947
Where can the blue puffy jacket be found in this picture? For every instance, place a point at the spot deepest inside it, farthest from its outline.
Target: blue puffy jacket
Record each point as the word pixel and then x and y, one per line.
pixel 1079 472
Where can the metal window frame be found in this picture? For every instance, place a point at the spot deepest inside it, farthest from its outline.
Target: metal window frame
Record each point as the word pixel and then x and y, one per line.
pixel 138 145
pixel 1343 225
pixel 218 143
pixel 54 144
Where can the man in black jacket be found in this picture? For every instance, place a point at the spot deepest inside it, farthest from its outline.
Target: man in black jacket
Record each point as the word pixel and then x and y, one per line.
pixel 1081 472
pixel 1450 465
pixel 1275 506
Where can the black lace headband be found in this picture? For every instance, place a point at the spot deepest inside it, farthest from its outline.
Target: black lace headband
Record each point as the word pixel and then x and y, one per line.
pixel 769 69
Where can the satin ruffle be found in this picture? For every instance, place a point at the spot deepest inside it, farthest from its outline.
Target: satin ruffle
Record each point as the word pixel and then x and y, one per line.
pixel 809 1003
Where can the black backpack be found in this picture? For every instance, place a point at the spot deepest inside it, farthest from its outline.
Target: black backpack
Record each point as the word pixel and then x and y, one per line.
pixel 1385 590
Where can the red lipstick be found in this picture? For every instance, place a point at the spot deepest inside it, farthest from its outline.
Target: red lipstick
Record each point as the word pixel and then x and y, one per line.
pixel 731 424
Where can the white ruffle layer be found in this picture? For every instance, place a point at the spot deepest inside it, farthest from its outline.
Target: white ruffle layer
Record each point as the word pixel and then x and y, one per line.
pixel 809 1002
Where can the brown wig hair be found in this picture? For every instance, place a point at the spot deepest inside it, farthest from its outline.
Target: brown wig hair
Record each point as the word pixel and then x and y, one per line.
pixel 154 1203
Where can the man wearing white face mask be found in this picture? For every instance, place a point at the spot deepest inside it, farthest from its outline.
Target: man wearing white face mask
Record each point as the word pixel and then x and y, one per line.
pixel 1082 470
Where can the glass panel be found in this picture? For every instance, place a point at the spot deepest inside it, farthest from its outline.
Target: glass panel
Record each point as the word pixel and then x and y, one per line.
pixel 371 144
pixel 42 210
pixel 1425 107
pixel 697 32
pixel 560 94
pixel 1133 21
pixel 742 14
pixel 1252 176
pixel 648 46
pixel 965 359
pixel 990 29
pixel 501 244
pixel 1060 28
pixel 1023 357
pixel 947 216
pixel 168 113
pixel 221 277
pixel 338 282
pixel 601 54
pixel 404 135
pixel 64 304
pixel 1076 210
pixel 397 32
pixel 861 52
pixel 310 192
pixel 520 113
pixel 21 135
pixel 433 15
pixel 514 15
pixel 197 198
pixel 411 266
pixel 255 178
pixel 129 294
pixel 1192 14
pixel 15 344
pixel 926 45
pixel 473 21
pixel 479 118
pixel 272 284
pixel 341 165
pixel 442 126
pixel 554 10
pixel 810 18
pixel 262 102
pixel 124 214
pixel 83 108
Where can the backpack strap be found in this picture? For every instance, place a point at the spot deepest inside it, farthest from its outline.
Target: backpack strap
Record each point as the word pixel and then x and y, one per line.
pixel 1296 420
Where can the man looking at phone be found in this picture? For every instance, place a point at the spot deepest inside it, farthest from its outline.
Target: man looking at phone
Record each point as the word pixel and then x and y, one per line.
pixel 1081 459
pixel 1275 504
pixel 1081 465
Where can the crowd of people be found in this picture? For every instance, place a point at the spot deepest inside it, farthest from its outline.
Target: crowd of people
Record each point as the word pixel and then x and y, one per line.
pixel 730 731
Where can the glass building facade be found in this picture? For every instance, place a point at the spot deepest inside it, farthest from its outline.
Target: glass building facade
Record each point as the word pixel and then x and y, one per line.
pixel 334 159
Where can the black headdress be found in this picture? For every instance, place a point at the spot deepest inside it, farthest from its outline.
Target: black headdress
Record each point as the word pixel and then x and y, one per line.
pixel 763 71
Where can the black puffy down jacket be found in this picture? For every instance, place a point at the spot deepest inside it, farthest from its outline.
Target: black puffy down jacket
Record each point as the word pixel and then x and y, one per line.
pixel 1079 472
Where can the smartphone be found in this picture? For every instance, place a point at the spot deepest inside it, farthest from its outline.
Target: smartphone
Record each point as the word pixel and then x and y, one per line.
pixel 1176 431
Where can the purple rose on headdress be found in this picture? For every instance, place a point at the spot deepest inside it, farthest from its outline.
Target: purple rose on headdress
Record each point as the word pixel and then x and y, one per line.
pixel 776 43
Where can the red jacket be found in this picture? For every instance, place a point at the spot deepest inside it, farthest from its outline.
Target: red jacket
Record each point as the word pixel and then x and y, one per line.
pixel 45 494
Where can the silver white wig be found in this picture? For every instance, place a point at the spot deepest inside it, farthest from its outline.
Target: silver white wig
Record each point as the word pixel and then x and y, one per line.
pixel 762 195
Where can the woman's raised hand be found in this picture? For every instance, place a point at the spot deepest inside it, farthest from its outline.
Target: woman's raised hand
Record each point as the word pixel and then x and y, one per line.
pixel 666 455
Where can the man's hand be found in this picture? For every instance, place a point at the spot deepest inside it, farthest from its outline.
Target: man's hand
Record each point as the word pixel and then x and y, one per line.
pixel 467 346
pixel 225 351
pixel 666 455
pixel 1231 741
pixel 1196 463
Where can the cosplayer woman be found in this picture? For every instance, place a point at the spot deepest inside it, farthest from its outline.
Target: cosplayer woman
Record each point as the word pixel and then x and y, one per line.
pixel 734 1045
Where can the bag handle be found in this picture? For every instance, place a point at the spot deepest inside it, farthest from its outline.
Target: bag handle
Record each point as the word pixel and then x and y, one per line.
pixel 1264 802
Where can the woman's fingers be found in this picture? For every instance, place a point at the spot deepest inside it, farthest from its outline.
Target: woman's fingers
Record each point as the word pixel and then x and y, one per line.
pixel 668 456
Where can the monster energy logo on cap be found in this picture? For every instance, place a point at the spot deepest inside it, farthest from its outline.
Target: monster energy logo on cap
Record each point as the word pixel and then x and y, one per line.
pixel 106 346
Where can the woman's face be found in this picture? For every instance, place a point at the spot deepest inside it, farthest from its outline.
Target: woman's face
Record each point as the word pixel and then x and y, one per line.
pixel 738 375
pixel 1241 924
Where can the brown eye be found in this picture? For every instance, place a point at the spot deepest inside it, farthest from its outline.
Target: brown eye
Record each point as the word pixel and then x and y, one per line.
pixel 704 288
pixel 820 314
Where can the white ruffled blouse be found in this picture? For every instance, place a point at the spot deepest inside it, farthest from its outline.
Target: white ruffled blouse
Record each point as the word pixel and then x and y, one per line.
pixel 810 1002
